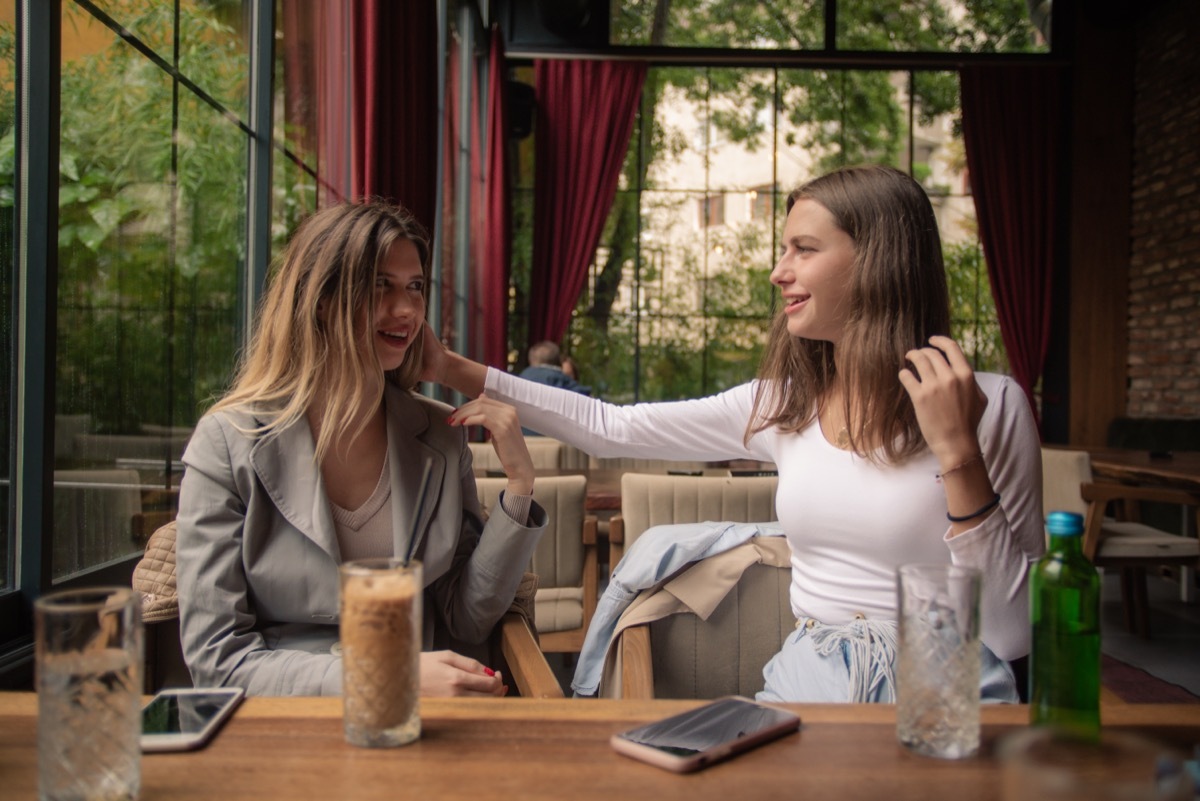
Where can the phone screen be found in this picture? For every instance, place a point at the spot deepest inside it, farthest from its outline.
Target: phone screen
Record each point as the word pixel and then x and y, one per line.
pixel 182 713
pixel 707 727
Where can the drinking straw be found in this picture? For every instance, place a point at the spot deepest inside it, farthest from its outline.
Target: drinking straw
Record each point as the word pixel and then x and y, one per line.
pixel 412 539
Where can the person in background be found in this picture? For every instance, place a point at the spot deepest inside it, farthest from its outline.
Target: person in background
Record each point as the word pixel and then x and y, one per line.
pixel 547 366
pixel 315 457
pixel 570 370
pixel 890 448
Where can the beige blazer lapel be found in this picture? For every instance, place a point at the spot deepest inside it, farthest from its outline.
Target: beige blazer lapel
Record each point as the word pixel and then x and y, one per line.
pixel 286 466
pixel 407 455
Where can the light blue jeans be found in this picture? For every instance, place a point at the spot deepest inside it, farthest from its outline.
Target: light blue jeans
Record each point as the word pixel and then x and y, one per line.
pixel 820 667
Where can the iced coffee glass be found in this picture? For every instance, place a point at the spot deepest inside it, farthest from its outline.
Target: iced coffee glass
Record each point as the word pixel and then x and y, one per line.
pixel 381 651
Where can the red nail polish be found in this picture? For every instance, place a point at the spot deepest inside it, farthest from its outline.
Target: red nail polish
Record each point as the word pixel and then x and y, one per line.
pixel 489 671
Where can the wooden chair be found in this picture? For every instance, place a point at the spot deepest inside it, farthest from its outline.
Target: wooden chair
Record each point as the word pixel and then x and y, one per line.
pixel 154 577
pixel 1119 542
pixel 565 560
pixel 1134 547
pixel 650 500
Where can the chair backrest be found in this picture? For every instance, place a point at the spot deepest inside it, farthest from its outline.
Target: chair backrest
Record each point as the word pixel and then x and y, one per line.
pixel 558 560
pixel 546 453
pixel 1063 471
pixel 651 500
pixel 725 654
pixel 629 464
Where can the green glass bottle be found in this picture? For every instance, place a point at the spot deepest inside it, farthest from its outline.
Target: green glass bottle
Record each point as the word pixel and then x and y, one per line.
pixel 1064 666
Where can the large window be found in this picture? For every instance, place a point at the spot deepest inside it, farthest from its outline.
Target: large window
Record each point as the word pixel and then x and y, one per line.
pixel 151 244
pixel 678 300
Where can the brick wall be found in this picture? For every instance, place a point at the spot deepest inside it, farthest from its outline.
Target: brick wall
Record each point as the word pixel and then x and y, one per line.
pixel 1164 268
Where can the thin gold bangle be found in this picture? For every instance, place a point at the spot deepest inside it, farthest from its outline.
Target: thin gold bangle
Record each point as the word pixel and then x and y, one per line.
pixel 960 466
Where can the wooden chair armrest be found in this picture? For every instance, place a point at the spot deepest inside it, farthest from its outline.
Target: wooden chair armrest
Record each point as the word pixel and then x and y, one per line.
pixel 1103 492
pixel 527 665
pixel 616 540
pixel 590 526
pixel 616 529
pixel 637 667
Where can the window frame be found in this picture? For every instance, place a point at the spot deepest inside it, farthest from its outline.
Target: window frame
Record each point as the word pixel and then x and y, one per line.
pixel 31 462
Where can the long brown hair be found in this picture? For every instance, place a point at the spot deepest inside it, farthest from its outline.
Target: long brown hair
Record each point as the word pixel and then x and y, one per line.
pixel 308 341
pixel 898 299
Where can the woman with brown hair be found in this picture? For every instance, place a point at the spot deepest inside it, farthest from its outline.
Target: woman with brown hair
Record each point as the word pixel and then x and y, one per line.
pixel 890 449
pixel 316 457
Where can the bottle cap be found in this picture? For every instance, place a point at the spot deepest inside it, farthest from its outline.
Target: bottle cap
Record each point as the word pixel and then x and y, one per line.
pixel 1064 524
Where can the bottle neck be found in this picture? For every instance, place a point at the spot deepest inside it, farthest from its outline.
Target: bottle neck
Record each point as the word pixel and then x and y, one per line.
pixel 1066 544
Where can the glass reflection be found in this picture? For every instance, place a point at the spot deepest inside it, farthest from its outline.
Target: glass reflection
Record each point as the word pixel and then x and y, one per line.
pixel 151 232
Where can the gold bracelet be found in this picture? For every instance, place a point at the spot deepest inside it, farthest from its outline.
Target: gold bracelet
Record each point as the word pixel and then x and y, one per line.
pixel 960 466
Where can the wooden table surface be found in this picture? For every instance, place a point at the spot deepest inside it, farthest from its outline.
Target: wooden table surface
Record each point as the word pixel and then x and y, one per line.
pixel 1180 470
pixel 483 750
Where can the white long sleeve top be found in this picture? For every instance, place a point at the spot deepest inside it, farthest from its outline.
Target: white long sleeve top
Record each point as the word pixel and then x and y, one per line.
pixel 850 523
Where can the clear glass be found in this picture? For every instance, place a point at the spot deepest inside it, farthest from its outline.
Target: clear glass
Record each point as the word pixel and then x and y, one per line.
pixel 381 651
pixel 938 670
pixel 1048 766
pixel 89 684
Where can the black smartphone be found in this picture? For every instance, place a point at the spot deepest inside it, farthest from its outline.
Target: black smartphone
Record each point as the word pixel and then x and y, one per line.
pixel 699 737
pixel 183 719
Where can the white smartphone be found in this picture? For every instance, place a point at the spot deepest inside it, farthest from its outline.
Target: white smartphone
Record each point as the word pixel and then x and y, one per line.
pixel 699 737
pixel 181 719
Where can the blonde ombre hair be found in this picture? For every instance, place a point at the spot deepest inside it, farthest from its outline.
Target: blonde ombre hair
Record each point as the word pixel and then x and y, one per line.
pixel 898 299
pixel 310 341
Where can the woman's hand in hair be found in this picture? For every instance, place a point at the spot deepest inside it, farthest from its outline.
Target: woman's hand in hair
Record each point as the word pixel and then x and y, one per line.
pixel 947 400
pixel 440 365
pixel 501 421
pixel 445 673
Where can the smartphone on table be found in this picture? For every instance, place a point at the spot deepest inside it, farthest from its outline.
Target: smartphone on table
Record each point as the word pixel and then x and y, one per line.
pixel 181 719
pixel 707 734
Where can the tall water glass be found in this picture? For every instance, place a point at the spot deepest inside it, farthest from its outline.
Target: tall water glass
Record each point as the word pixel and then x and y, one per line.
pixel 381 651
pixel 89 651
pixel 937 679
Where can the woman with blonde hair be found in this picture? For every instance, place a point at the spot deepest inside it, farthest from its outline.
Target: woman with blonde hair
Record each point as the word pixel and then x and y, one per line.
pixel 316 456
pixel 889 448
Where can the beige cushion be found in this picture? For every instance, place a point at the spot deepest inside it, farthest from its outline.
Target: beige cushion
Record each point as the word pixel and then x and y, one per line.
pixel 1139 541
pixel 1063 471
pixel 558 560
pixel 154 576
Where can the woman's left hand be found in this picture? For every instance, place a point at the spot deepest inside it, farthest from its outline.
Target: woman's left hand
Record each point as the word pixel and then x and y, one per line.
pixel 507 438
pixel 947 400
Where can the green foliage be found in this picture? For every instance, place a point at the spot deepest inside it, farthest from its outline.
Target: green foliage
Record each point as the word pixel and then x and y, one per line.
pixel 151 224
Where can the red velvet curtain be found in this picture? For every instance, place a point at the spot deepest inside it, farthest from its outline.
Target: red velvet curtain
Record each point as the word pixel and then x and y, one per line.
pixel 395 104
pixel 585 114
pixel 358 73
pixel 1013 128
pixel 497 239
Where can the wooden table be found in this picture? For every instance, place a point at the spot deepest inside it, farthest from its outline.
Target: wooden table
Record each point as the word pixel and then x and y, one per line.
pixel 1178 470
pixel 292 748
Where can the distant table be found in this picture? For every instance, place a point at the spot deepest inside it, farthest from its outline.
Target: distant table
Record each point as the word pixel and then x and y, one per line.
pixel 499 749
pixel 1178 470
